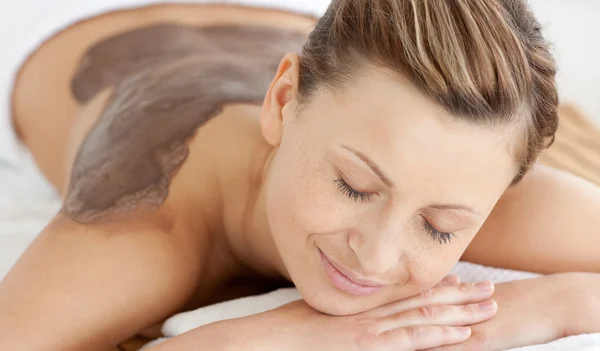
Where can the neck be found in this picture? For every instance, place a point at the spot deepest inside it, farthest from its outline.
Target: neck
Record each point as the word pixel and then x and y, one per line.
pixel 246 226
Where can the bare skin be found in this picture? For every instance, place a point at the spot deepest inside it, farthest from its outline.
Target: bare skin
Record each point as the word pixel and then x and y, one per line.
pixel 201 279
pixel 194 245
pixel 162 102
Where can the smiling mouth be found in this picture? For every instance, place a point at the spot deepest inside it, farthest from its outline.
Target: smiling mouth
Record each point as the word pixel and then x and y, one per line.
pixel 346 284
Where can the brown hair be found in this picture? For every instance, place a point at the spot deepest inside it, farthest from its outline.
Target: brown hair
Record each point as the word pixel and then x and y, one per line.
pixel 484 61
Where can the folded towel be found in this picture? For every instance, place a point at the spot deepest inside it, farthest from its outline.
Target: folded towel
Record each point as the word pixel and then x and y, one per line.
pixel 468 272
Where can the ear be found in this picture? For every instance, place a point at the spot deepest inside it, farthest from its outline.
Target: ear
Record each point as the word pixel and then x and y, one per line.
pixel 280 99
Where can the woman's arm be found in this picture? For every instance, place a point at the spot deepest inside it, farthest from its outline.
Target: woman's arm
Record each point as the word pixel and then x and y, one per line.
pixel 431 319
pixel 89 287
pixel 548 223
pixel 537 311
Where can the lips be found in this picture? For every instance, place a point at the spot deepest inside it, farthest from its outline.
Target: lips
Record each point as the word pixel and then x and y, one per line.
pixel 342 279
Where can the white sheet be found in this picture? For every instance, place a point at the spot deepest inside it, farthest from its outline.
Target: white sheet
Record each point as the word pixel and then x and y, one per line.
pixel 27 203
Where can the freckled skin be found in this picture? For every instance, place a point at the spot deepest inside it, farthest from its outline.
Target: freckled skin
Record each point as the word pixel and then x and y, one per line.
pixel 170 80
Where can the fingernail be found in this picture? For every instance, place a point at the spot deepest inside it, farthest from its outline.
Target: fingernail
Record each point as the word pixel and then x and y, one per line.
pixel 489 305
pixel 485 286
pixel 464 330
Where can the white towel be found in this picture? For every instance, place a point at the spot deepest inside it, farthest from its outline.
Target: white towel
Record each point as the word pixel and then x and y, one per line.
pixel 468 272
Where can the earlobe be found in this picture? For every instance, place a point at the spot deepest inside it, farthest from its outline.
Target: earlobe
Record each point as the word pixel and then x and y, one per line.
pixel 280 95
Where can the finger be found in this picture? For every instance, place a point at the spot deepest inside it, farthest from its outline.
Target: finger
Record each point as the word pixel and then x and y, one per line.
pixel 441 315
pixel 444 295
pixel 425 337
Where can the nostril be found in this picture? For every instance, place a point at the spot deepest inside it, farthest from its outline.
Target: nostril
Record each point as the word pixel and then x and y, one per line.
pixel 377 254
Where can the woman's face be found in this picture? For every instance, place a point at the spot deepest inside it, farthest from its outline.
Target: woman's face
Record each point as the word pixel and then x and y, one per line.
pixel 374 192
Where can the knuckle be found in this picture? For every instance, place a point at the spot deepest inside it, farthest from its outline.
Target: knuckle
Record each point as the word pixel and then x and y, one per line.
pixel 414 333
pixel 446 330
pixel 468 310
pixel 428 312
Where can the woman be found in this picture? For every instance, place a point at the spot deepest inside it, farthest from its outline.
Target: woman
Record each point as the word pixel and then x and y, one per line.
pixel 194 169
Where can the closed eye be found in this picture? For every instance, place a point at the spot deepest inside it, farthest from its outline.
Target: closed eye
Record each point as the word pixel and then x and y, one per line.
pixel 352 193
pixel 436 235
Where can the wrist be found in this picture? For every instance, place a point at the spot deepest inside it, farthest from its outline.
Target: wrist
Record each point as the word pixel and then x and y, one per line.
pixel 261 332
pixel 581 308
pixel 266 331
pixel 228 335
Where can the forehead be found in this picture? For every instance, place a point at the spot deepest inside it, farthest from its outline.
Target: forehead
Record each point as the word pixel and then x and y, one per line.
pixel 413 138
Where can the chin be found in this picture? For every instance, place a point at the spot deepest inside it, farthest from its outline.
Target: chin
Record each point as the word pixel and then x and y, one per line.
pixel 327 299
pixel 333 306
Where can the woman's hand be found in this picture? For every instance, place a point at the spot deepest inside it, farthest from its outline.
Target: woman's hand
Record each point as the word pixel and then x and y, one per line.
pixel 538 311
pixel 427 320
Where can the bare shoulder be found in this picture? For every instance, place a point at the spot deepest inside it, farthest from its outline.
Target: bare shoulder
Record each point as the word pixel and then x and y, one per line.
pixel 548 223
pixel 544 180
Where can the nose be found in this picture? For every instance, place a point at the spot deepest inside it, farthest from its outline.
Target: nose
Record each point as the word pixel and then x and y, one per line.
pixel 379 251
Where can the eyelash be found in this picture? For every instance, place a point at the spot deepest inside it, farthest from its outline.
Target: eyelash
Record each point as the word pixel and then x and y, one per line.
pixel 351 192
pixel 436 235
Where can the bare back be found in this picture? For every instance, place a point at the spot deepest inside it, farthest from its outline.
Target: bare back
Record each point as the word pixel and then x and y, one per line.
pixel 64 82
pixel 140 101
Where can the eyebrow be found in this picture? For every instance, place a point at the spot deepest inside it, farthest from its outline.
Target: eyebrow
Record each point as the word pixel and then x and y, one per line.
pixel 455 207
pixel 371 165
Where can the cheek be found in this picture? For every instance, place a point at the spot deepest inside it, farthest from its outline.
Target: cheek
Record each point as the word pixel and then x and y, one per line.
pixel 428 265
pixel 427 261
pixel 302 196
